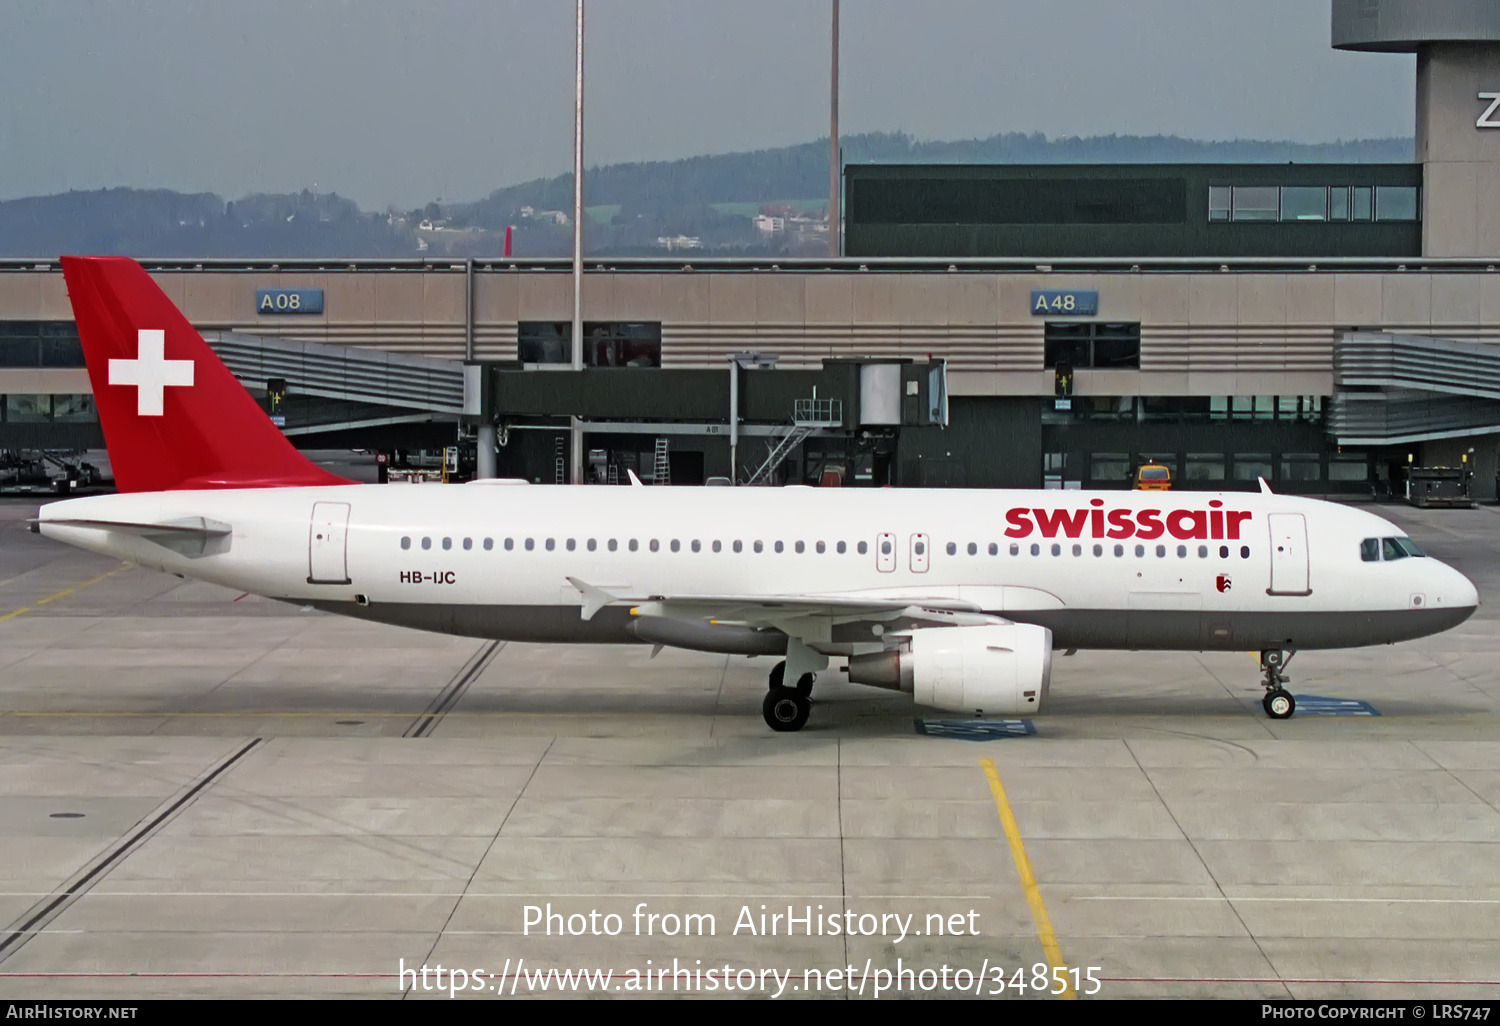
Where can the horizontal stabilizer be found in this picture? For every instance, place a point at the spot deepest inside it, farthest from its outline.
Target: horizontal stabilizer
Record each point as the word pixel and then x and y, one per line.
pixel 190 536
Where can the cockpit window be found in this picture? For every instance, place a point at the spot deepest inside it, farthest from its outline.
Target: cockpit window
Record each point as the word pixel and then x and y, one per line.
pixel 1369 550
pixel 1399 548
pixel 1407 547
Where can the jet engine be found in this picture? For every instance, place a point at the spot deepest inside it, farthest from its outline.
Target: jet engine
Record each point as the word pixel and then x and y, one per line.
pixel 999 669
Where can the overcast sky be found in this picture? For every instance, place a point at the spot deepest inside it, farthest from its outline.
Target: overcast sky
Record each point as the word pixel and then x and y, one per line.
pixel 409 100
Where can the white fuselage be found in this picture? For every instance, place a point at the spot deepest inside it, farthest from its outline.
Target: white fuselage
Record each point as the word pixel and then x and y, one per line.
pixel 1188 570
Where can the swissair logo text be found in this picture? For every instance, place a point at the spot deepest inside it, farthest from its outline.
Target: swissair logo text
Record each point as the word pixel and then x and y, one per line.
pixel 150 372
pixel 1146 524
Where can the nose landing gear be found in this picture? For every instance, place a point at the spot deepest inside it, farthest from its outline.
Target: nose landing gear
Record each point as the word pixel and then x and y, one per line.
pixel 1278 703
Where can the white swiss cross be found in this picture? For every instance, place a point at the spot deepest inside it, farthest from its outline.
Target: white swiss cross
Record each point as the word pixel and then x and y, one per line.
pixel 150 372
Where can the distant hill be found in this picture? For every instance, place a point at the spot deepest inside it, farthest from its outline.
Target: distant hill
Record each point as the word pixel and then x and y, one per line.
pixel 631 206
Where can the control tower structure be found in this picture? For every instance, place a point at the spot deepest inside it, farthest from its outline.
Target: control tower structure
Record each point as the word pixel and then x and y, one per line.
pixel 1457 43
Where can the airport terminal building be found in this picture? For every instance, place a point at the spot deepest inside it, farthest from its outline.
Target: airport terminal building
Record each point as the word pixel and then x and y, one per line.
pixel 1318 325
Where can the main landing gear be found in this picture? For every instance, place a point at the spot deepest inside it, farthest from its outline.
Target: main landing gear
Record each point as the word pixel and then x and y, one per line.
pixel 787 709
pixel 1278 703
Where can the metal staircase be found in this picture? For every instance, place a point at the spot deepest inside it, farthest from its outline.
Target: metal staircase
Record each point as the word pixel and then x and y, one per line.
pixel 808 415
pixel 559 463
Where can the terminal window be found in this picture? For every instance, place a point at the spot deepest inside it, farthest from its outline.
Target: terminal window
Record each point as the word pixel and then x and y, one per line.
pixel 40 344
pixel 1313 203
pixel 1096 345
pixel 605 343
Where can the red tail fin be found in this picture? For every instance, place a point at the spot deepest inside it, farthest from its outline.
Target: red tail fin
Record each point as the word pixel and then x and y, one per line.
pixel 173 416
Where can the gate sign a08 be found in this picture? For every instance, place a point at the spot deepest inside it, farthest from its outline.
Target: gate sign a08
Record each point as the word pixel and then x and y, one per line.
pixel 288 301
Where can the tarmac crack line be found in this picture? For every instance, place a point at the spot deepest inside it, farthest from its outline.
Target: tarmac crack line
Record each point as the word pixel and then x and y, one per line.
pixel 38 916
pixel 1204 863
pixel 487 849
pixel 454 690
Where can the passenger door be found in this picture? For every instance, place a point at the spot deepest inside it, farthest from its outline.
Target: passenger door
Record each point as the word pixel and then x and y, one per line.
pixel 885 553
pixel 328 544
pixel 1289 570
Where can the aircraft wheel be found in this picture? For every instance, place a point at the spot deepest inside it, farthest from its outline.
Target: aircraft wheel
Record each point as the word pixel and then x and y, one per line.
pixel 785 709
pixel 778 675
pixel 1279 704
pixel 805 683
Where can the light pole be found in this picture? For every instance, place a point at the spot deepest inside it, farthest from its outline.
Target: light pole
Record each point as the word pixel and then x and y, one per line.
pixel 833 140
pixel 575 447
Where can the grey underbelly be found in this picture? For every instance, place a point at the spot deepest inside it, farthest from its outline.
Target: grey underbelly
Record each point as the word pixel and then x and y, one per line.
pixel 1160 629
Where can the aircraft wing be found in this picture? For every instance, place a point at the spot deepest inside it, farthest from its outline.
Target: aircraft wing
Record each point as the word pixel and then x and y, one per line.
pixel 802 616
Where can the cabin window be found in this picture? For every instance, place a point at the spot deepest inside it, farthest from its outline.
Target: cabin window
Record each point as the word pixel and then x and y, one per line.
pixel 676 545
pixel 426 543
pixel 1036 550
pixel 758 546
pixel 864 548
pixel 1140 550
pixel 841 548
pixel 612 545
pixel 510 543
pixel 530 544
pixel 406 543
pixel 739 546
pixel 551 544
pixel 821 548
pixel 780 547
pixel 593 543
pixel 800 547
pixel 1056 549
pixel 1077 550
pixel 1015 550
pixel 1119 550
pixel 447 544
pixel 635 545
pixel 718 545
pixel 1244 552
pixel 1223 551
pixel 973 549
pixel 489 543
pixel 655 545
pixel 1182 552
pixel 1161 552
pixel 1098 550
pixel 697 545
pixel 994 549
pixel 468 544
pixel 1202 551
pixel 572 544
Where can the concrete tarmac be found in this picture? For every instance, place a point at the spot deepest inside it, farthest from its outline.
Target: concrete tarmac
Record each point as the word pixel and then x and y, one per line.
pixel 209 794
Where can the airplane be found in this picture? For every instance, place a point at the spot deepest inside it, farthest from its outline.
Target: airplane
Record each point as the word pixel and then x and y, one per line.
pixel 956 597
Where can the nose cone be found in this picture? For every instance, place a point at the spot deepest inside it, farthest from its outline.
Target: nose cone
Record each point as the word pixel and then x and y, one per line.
pixel 1465 595
pixel 1453 592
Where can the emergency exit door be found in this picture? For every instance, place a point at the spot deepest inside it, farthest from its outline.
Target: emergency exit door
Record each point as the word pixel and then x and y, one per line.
pixel 328 544
pixel 1289 571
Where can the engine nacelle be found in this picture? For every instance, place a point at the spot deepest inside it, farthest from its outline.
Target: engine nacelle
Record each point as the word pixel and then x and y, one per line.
pixel 998 670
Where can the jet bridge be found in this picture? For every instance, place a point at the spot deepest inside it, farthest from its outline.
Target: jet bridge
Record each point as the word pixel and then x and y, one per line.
pixel 1392 389
pixel 316 388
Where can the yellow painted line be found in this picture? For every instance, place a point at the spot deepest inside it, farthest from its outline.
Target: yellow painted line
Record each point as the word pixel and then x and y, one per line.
pixel 1028 878
pixel 61 594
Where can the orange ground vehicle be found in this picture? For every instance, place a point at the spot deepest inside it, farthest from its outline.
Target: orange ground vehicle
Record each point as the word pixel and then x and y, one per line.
pixel 1152 477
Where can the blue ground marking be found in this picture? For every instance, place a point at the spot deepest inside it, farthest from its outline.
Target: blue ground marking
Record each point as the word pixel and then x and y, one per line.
pixel 975 730
pixel 1317 705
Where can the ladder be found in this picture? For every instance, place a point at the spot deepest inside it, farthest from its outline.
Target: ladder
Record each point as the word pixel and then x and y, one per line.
pixel 559 463
pixel 662 467
pixel 613 473
pixel 781 447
